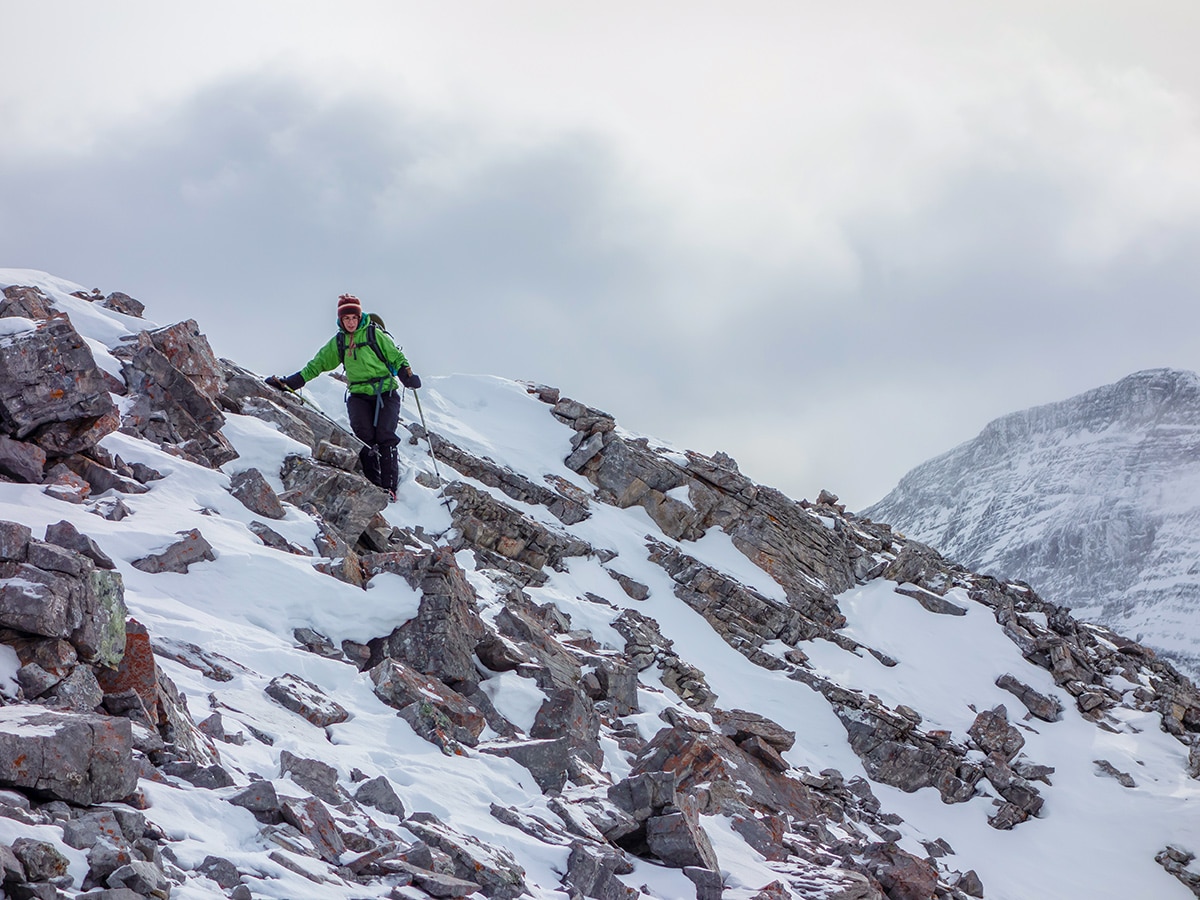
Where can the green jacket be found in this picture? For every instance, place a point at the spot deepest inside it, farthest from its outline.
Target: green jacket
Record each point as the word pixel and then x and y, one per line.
pixel 363 367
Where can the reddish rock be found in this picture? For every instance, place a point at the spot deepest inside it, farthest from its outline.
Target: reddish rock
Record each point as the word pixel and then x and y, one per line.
pixel 137 672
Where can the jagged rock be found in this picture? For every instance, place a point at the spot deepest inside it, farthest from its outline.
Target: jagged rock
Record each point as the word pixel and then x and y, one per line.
pixel 436 712
pixel 169 408
pixel 441 638
pixel 143 878
pixel 592 871
pixel 247 393
pixel 124 304
pixel 379 793
pixel 568 510
pixel 894 755
pixel 903 876
pixel 35 681
pixel 188 351
pixel 51 392
pixel 485 523
pixel 22 461
pixel 931 601
pixel 345 501
pixel 63 484
pixel 314 821
pixel 66 535
pixel 84 830
pixel 306 699
pixel 256 495
pixel 40 859
pixel 741 724
pixel 177 557
pixel 82 758
pixel 276 541
pixel 993 733
pixel 1104 767
pixel 678 839
pixel 318 778
pixel 105 857
pixel 220 870
pixel 492 868
pixel 85 605
pixel 26 302
pixel 261 799
pixel 548 759
pixel 101 478
pixel 1176 861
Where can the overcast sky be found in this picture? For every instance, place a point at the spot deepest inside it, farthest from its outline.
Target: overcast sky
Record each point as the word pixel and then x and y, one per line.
pixel 832 240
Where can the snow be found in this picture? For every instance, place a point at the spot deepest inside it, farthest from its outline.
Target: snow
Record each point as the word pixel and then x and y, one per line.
pixel 1096 839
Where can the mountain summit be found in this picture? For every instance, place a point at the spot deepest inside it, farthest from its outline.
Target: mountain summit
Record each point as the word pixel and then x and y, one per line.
pixel 567 661
pixel 1094 500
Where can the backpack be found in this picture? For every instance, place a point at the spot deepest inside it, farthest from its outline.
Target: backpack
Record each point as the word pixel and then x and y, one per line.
pixel 374 322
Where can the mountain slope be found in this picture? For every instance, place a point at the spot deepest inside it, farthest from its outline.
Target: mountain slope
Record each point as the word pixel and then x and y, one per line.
pixel 588 665
pixel 1094 500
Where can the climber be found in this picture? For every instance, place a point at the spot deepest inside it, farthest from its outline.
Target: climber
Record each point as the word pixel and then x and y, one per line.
pixel 372 362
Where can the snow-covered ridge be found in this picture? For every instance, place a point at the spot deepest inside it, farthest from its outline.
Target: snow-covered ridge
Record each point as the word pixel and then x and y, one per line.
pixel 676 682
pixel 1094 500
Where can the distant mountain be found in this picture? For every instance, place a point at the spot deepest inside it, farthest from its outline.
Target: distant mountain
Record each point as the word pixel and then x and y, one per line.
pixel 1095 501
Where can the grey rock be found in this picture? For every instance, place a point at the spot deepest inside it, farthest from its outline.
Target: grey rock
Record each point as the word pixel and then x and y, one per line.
pixel 179 555
pixel 548 760
pixel 592 871
pixel 318 778
pixel 142 878
pixel 678 839
pixel 276 541
pixel 106 856
pixel 1048 709
pixel 51 392
pixel 220 870
pixel 40 859
pixel 347 502
pixel 22 461
pixel 379 793
pixel 251 488
pixel 66 535
pixel 306 699
pixel 82 758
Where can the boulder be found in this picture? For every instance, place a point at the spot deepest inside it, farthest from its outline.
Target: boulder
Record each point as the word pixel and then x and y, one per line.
pixel 436 712
pixel 344 500
pixel 82 758
pixel 251 488
pixel 169 408
pixel 179 555
pixel 306 699
pixel 52 394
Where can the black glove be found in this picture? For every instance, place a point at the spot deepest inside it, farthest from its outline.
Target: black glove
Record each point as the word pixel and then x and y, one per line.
pixel 410 379
pixel 290 383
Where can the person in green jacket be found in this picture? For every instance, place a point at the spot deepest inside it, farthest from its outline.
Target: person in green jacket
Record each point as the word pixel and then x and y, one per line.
pixel 373 363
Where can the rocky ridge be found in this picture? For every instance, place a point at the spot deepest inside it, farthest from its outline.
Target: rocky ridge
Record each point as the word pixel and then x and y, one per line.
pixel 1093 500
pixel 95 720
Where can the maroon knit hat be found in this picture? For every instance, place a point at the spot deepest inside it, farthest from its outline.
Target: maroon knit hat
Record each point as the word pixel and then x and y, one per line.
pixel 348 303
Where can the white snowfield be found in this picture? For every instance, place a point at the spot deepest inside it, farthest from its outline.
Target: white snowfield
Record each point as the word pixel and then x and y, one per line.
pixel 1095 839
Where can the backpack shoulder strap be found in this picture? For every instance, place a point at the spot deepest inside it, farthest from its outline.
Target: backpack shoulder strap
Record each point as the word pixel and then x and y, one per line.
pixel 341 345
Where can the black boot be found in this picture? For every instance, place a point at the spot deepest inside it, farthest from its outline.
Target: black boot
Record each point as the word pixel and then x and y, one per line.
pixel 389 469
pixel 369 457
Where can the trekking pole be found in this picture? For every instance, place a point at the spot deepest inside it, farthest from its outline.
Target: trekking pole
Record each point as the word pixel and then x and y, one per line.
pixel 428 439
pixel 432 455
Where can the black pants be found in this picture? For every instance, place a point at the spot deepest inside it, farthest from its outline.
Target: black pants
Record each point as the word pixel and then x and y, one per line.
pixel 379 458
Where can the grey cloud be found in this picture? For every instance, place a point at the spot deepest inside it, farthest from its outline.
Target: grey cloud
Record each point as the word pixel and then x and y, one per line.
pixel 252 205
